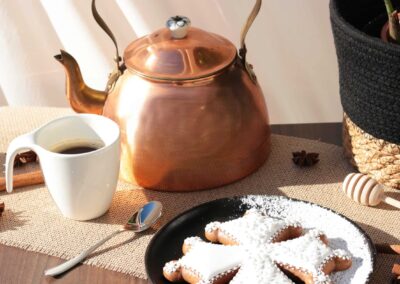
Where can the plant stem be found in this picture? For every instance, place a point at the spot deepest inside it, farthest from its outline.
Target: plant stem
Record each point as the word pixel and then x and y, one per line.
pixel 393 19
pixel 394 27
pixel 389 7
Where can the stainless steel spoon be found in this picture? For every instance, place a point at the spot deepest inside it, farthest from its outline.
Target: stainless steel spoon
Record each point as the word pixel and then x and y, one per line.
pixel 139 222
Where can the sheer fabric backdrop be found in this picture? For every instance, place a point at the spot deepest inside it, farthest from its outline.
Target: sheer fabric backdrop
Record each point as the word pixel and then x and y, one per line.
pixel 290 46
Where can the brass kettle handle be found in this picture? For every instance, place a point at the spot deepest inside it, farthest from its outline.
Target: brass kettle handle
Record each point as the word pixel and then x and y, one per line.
pixel 119 68
pixel 243 49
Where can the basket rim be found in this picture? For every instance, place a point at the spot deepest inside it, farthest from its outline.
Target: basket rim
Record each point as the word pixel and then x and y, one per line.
pixel 375 42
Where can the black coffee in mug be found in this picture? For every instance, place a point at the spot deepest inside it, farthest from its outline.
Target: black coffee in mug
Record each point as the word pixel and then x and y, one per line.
pixel 73 148
pixel 77 150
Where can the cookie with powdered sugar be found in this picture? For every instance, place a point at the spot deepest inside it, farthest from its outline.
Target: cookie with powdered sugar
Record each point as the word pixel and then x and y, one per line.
pixel 257 249
pixel 204 263
pixel 307 257
pixel 253 228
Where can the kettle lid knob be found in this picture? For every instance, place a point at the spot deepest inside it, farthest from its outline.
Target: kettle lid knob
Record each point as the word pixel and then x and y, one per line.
pixel 179 26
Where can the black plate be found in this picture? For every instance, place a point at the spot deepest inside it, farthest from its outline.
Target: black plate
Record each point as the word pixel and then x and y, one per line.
pixel 167 242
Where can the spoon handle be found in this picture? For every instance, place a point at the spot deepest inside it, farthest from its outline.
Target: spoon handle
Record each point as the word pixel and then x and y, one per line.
pixel 79 258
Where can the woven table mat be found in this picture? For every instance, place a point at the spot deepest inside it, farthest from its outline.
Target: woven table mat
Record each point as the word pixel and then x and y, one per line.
pixel 32 221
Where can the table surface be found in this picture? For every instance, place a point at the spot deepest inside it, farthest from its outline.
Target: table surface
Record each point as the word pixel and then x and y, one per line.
pixel 20 266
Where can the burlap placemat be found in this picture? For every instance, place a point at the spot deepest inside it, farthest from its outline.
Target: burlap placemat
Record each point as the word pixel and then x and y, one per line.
pixel 32 221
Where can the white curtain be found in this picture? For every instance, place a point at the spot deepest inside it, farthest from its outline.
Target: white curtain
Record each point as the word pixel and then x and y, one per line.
pixel 290 46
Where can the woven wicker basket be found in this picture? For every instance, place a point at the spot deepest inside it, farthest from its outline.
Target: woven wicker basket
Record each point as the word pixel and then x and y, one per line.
pixel 370 155
pixel 369 76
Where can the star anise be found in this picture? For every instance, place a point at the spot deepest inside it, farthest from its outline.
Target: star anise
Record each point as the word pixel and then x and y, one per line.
pixel 25 158
pixel 2 206
pixel 304 159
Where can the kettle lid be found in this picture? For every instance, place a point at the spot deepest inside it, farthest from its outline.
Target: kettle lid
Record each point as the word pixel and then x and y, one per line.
pixel 179 52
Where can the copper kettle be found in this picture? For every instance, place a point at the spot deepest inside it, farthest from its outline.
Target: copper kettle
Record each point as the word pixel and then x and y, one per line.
pixel 191 113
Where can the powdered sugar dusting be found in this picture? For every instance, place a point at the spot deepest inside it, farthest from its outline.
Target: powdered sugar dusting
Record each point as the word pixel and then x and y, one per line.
pixel 212 226
pixel 210 261
pixel 340 232
pixel 172 266
pixel 253 228
pixel 254 231
pixel 257 267
pixel 192 241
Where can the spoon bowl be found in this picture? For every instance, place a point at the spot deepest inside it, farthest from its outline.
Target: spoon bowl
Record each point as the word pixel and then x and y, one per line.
pixel 145 217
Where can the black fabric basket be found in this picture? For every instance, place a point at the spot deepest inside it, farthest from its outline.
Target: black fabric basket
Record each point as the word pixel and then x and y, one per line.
pixel 369 68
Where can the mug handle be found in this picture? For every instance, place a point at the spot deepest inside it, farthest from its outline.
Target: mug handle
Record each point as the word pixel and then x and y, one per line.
pixel 21 143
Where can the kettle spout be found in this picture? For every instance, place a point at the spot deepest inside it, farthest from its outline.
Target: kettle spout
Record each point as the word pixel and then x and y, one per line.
pixel 81 97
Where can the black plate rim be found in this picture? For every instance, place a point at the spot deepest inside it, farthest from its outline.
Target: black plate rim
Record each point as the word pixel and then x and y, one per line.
pixel 371 245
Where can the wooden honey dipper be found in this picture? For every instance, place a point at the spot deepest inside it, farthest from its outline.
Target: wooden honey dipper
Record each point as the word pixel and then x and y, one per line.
pixel 366 191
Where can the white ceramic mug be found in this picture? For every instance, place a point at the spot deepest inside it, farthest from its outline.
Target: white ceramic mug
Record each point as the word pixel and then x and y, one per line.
pixel 82 185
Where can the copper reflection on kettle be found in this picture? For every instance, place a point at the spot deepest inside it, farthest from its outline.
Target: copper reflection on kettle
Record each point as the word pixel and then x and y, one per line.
pixel 190 135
